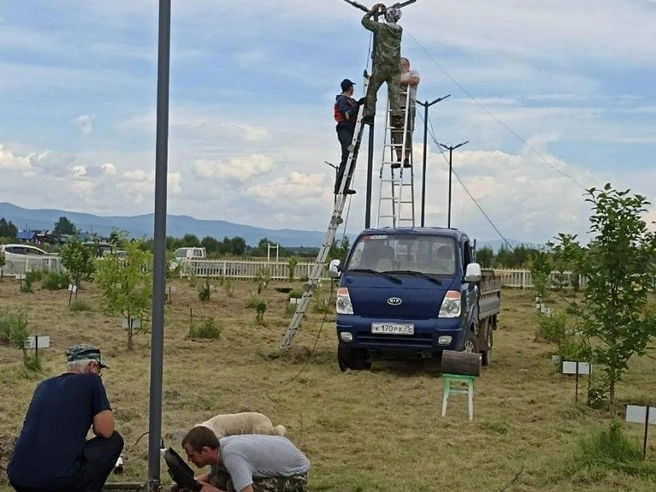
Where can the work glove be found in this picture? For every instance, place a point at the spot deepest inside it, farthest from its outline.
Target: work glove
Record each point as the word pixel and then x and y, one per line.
pixel 361 101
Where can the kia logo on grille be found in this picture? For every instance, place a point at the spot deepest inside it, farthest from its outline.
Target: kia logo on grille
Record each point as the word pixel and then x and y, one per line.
pixel 394 301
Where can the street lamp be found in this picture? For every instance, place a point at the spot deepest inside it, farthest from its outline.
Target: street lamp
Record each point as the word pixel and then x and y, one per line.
pixel 426 105
pixel 451 148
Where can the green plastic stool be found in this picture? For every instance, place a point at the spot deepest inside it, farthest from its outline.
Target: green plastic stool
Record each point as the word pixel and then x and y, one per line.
pixel 469 390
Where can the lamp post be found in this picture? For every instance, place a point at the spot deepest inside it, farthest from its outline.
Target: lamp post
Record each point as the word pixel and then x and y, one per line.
pixel 451 148
pixel 159 245
pixel 426 105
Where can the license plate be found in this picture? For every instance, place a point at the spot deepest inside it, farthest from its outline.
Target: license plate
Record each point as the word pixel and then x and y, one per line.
pixel 393 328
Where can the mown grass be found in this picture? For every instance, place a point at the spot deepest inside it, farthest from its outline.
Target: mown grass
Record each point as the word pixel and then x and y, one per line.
pixel 377 430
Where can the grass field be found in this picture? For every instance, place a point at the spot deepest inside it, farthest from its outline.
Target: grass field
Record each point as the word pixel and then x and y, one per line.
pixel 377 430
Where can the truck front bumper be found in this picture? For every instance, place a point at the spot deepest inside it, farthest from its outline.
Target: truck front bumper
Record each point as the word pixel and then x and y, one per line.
pixel 432 335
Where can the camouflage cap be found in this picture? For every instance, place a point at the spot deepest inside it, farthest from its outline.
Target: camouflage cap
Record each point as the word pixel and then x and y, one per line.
pixel 83 351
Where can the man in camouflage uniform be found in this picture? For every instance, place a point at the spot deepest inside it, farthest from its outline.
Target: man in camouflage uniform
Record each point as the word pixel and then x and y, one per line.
pixel 386 57
pixel 246 462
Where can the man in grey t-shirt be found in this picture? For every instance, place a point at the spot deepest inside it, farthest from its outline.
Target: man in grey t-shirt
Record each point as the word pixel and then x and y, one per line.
pixel 247 462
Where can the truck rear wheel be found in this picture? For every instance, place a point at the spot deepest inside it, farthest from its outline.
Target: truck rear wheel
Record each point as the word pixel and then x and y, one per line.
pixel 356 360
pixel 487 353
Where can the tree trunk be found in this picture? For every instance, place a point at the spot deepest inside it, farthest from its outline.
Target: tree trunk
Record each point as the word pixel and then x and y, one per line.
pixel 462 363
pixel 611 397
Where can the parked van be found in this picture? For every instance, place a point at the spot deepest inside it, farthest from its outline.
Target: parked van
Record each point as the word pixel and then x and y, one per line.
pixel 185 254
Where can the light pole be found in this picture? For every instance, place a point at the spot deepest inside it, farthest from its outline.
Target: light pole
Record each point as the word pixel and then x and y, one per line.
pixel 451 148
pixel 426 105
pixel 159 245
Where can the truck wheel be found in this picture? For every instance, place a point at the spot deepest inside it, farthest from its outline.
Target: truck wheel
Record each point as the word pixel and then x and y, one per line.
pixel 356 360
pixel 471 344
pixel 487 353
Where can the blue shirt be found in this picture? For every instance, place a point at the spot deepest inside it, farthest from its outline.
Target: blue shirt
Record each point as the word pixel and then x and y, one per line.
pixel 50 445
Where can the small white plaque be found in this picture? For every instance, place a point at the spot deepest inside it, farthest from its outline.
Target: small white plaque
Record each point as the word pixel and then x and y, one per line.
pixel 44 342
pixel 638 414
pixel 570 367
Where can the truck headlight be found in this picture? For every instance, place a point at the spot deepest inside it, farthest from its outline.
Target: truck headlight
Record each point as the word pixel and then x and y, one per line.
pixel 343 304
pixel 450 305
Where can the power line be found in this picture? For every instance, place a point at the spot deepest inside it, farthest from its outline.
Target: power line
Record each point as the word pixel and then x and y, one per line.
pixel 471 96
pixel 487 217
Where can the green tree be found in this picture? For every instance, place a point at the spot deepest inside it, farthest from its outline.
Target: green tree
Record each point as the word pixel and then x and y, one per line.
pixel 190 240
pixel 485 257
pixel 65 227
pixel 339 249
pixel 619 268
pixel 78 259
pixel 126 285
pixel 541 267
pixel 211 245
pixel 118 237
pixel 7 229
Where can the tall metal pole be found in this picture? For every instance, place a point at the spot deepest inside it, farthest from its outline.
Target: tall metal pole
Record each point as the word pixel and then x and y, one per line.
pixel 426 105
pixel 159 262
pixel 370 152
pixel 451 148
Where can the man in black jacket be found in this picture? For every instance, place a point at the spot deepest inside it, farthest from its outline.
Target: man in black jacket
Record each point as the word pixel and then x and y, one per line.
pixel 346 115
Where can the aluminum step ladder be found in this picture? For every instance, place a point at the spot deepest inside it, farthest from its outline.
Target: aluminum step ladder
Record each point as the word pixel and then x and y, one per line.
pixel 396 198
pixel 335 221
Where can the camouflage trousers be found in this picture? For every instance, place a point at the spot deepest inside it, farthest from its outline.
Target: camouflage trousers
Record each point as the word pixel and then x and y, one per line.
pixel 295 483
pixel 391 75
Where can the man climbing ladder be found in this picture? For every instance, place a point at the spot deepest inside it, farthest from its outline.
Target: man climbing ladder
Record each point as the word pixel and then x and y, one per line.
pixel 342 192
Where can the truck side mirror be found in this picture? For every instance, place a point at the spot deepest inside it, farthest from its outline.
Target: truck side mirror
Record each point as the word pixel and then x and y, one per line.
pixel 473 273
pixel 334 268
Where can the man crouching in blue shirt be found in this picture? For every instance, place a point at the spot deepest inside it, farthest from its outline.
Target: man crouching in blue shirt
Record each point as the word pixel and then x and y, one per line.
pixel 52 453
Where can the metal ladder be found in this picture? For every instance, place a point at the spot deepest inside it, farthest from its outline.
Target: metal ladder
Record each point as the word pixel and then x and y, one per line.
pixel 396 199
pixel 335 221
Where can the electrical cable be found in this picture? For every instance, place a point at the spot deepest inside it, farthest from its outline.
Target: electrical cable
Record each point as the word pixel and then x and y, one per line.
pixel 479 104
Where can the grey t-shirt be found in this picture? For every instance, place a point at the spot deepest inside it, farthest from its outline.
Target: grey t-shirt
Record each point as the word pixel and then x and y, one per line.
pixel 250 456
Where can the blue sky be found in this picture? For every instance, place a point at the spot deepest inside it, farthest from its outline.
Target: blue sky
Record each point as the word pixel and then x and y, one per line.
pixel 252 87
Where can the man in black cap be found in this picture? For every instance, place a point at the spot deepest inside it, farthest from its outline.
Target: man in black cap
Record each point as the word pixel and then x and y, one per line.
pixel 346 115
pixel 52 453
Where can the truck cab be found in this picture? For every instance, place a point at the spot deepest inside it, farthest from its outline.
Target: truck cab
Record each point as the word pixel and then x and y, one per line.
pixel 412 292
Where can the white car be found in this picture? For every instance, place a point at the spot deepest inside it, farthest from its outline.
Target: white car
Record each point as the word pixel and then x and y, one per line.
pixel 186 254
pixel 22 251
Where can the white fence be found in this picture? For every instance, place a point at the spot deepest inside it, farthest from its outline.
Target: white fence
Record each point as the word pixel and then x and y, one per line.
pixel 15 266
pixel 278 270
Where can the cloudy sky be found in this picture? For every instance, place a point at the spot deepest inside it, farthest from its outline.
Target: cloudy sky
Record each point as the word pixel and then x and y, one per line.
pixel 548 93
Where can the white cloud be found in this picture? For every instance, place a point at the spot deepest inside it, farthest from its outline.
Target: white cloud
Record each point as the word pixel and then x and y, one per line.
pixel 108 168
pixel 238 168
pixel 9 160
pixel 85 123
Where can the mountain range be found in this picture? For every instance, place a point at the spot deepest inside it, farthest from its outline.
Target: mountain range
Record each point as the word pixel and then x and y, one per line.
pixel 176 226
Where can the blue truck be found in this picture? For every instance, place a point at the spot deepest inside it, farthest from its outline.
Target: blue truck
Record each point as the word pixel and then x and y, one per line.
pixel 413 292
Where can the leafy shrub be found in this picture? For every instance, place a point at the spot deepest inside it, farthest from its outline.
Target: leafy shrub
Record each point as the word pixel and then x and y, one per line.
pixel 229 287
pixel 34 276
pixel 552 328
pixel 13 332
pixel 56 281
pixel 204 292
pixel 78 305
pixel 252 302
pixel 260 309
pixel 295 294
pixel 209 329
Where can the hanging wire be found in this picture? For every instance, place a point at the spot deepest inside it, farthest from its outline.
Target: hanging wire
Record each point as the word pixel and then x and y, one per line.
pixel 480 105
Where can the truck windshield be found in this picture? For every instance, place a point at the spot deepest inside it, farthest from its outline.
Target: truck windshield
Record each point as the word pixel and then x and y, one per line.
pixel 425 254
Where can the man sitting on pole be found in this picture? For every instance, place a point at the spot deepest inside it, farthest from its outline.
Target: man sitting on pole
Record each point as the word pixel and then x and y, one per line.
pixel 386 57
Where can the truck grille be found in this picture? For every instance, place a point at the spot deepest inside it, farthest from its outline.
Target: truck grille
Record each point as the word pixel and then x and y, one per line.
pixel 417 340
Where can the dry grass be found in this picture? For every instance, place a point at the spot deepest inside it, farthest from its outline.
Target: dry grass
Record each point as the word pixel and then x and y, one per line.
pixel 378 430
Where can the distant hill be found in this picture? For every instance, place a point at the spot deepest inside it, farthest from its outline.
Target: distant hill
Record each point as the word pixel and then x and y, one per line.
pixel 176 226
pixel 142 225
